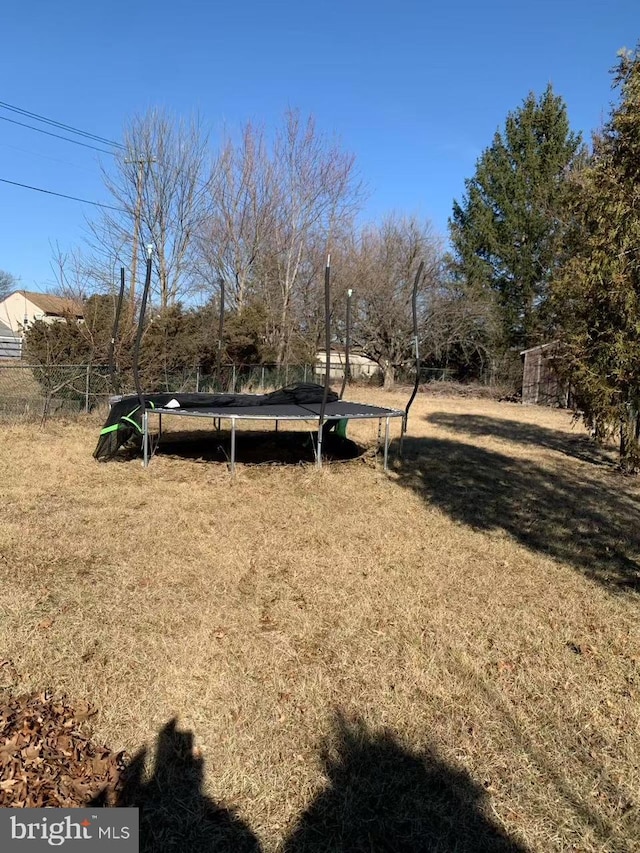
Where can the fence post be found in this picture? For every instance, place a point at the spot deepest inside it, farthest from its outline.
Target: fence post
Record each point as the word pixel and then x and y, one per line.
pixel 305 373
pixel 87 386
pixel 197 379
pixel 233 378
pixel 262 380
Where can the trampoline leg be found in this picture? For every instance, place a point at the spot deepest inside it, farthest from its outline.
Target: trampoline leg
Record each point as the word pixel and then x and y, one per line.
pixel 233 447
pixel 319 448
pixel 386 444
pixel 145 439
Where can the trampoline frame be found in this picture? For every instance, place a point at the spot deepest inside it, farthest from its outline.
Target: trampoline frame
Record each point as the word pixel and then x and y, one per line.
pixel 375 413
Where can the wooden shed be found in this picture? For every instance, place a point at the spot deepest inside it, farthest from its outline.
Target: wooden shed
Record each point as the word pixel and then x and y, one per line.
pixel 541 383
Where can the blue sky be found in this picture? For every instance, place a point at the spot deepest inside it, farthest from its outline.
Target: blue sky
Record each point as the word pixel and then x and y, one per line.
pixel 414 89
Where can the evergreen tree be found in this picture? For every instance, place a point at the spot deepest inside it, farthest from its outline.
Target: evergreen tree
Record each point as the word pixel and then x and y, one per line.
pixel 597 289
pixel 505 232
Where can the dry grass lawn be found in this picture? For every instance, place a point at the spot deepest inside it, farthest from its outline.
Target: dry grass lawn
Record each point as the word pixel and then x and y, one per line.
pixel 444 658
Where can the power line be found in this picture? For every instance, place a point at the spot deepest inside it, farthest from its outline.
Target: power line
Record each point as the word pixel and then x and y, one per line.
pixel 61 195
pixel 45 156
pixel 61 125
pixel 57 135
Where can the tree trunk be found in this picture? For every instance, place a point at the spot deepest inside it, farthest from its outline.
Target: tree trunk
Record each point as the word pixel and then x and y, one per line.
pixel 389 376
pixel 283 332
pixel 629 445
pixel 240 293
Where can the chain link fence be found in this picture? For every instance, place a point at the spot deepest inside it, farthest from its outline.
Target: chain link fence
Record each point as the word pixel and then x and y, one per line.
pixel 37 391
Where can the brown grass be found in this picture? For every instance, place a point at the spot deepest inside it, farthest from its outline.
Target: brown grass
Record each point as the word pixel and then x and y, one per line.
pixel 444 658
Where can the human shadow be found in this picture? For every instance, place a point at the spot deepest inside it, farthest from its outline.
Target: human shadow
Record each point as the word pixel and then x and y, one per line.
pixel 576 517
pixel 175 814
pixel 382 797
pixel 579 445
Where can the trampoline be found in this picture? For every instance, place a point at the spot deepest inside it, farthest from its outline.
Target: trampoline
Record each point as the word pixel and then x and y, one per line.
pixel 337 411
pixel 130 416
pixel 127 419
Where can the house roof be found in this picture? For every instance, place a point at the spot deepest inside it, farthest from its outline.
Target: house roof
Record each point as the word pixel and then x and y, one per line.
pixel 56 305
pixel 340 348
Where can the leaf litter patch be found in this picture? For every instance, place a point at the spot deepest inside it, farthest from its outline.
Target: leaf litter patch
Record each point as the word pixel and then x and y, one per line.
pixel 47 760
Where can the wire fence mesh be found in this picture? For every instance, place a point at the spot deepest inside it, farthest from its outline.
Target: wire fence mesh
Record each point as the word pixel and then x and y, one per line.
pixel 36 391
pixel 28 390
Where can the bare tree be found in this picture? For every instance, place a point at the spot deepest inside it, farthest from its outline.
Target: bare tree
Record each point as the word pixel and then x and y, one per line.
pixel 273 213
pixel 384 261
pixel 88 339
pixel 459 330
pixel 235 232
pixel 8 283
pixel 316 192
pixel 73 275
pixel 159 186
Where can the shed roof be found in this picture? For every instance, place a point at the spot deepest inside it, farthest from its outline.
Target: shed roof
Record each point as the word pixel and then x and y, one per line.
pixel 341 348
pixel 539 347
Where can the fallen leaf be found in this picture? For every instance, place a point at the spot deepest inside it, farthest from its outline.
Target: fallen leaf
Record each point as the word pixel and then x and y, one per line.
pixel 46 760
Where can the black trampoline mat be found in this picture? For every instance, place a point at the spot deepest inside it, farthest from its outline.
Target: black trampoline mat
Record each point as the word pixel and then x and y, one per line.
pixel 291 411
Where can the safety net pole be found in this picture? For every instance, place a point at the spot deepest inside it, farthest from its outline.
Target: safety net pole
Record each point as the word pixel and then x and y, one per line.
pixel 114 334
pixel 220 333
pixel 414 309
pixel 136 348
pixel 347 341
pixel 327 346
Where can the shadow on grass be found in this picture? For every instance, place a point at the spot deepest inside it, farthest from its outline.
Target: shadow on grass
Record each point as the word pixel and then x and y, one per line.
pixel 572 516
pixel 175 814
pixel 382 797
pixel 571 783
pixel 253 447
pixel 579 446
